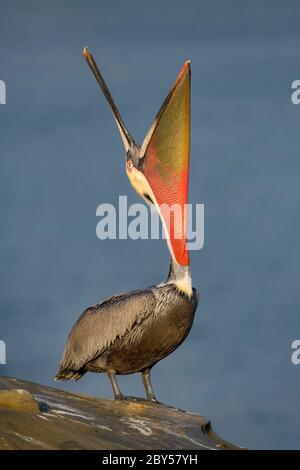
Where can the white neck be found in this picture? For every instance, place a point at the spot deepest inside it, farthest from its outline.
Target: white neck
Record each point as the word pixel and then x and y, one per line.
pixel 180 277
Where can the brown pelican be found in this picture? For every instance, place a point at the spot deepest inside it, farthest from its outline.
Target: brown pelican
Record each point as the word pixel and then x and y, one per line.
pixel 131 332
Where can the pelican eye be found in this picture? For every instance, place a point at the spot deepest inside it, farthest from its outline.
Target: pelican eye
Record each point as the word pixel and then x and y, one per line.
pixel 129 164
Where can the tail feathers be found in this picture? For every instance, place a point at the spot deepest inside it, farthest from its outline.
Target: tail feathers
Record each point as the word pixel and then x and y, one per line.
pixel 68 374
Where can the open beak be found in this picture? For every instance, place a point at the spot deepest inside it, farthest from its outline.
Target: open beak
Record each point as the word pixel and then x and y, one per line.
pixel 127 139
pixel 161 170
pixel 166 153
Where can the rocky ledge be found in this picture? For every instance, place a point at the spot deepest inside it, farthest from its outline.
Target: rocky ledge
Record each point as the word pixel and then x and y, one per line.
pixel 34 416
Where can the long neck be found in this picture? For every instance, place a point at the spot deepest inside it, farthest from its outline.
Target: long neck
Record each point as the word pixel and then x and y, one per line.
pixel 180 276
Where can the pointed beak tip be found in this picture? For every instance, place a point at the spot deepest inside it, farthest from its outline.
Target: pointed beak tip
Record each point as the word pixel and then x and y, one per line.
pixel 186 66
pixel 85 52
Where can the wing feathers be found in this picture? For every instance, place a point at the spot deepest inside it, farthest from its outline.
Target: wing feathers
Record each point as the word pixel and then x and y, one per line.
pixel 99 326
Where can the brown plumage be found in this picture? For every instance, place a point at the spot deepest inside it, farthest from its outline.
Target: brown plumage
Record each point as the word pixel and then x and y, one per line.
pixel 131 332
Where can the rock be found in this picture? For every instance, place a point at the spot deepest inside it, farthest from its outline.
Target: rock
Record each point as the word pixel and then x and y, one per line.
pixel 62 420
pixel 18 399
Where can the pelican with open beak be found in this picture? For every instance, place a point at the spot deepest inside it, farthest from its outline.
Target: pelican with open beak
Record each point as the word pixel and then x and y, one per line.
pixel 132 331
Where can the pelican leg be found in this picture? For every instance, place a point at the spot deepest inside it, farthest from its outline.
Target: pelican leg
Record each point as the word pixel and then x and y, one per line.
pixel 112 377
pixel 147 384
